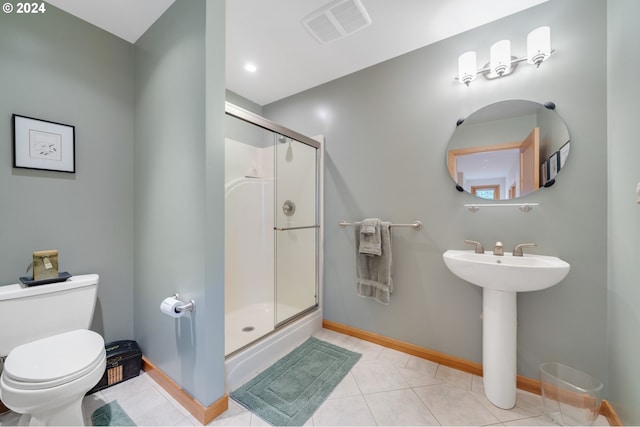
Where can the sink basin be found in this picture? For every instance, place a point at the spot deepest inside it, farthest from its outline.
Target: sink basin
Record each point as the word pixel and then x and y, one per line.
pixel 506 273
pixel 501 278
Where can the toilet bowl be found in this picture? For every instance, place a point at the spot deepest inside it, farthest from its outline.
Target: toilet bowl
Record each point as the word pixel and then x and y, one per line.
pixel 52 359
pixel 46 380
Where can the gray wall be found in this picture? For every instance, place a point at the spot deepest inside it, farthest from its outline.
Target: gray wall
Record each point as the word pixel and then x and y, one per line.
pixel 211 386
pixel 56 67
pixel 242 102
pixel 179 184
pixel 624 227
pixel 386 130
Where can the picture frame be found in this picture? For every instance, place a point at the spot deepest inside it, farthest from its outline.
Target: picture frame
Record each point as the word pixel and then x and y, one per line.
pixel 43 144
pixel 564 153
pixel 554 165
pixel 544 175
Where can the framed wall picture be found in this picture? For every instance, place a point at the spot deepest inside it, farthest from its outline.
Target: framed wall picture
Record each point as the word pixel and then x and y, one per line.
pixel 554 165
pixel 41 144
pixel 564 153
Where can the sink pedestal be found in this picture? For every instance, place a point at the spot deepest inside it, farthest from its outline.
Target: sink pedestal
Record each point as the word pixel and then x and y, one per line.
pixel 499 338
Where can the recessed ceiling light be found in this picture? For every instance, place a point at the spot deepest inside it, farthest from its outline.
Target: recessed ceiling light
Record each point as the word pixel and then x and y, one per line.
pixel 250 68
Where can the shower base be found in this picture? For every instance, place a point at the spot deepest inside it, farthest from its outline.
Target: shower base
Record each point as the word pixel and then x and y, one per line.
pixel 246 325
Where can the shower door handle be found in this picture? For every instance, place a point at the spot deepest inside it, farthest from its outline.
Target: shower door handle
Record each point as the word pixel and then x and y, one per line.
pixel 295 228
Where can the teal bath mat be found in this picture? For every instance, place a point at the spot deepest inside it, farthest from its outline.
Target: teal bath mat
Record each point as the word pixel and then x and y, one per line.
pixel 290 391
pixel 111 414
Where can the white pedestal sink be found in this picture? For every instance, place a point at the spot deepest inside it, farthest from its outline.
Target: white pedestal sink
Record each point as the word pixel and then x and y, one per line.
pixel 501 277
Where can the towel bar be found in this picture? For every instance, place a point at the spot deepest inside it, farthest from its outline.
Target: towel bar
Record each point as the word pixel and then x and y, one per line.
pixel 295 228
pixel 417 225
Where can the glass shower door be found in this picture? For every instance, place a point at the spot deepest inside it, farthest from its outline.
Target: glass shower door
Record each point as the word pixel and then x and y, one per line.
pixel 296 228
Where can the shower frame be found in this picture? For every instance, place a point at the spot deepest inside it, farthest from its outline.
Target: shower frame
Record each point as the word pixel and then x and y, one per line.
pixel 247 116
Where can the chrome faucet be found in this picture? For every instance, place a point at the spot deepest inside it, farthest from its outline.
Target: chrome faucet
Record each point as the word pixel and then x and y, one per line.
pixel 478 245
pixel 517 251
pixel 498 249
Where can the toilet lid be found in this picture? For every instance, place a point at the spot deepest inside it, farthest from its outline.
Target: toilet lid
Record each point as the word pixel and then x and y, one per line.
pixel 55 359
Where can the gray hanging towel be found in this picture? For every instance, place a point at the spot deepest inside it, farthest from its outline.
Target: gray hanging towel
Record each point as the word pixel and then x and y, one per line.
pixel 373 273
pixel 370 243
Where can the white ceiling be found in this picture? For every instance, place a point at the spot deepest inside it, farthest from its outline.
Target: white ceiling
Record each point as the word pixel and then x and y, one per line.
pixel 127 19
pixel 269 34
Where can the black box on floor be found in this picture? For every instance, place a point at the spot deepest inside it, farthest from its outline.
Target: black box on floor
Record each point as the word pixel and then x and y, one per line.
pixel 124 360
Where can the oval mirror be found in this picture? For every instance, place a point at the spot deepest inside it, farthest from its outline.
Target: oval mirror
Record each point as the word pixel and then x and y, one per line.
pixel 508 149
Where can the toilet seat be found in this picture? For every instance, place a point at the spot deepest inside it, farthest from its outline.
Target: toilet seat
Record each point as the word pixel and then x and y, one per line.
pixel 55 360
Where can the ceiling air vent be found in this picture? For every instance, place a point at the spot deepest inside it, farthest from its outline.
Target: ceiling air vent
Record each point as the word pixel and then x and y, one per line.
pixel 336 20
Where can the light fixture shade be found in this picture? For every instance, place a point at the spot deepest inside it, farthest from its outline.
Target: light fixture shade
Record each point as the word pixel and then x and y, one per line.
pixel 500 61
pixel 467 67
pixel 538 45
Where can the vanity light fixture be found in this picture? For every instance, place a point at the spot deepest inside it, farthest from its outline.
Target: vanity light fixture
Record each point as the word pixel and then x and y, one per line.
pixel 500 54
pixel 539 45
pixel 501 62
pixel 467 67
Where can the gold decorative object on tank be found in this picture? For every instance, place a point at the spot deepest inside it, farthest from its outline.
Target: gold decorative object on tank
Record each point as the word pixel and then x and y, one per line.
pixel 45 265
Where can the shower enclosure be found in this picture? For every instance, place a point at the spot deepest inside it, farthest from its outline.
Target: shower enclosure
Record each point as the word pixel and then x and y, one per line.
pixel 271 227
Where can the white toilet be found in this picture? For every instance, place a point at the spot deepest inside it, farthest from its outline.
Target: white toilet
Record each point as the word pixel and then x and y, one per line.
pixel 53 359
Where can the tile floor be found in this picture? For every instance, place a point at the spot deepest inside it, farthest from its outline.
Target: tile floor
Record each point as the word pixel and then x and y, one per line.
pixel 386 387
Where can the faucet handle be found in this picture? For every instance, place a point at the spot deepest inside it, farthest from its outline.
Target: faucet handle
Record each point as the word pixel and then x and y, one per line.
pixel 478 245
pixel 517 251
pixel 498 249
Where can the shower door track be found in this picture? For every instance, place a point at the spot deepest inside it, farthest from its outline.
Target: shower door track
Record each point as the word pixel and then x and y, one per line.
pixel 295 317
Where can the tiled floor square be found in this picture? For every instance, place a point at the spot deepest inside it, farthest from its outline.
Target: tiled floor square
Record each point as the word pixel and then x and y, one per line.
pixel 400 408
pixel 454 406
pixel 374 376
pixel 347 411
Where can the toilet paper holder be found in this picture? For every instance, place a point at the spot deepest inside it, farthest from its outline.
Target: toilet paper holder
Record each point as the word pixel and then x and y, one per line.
pixel 190 306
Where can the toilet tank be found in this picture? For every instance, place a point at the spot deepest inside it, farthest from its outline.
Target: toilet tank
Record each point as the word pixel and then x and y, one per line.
pixel 31 313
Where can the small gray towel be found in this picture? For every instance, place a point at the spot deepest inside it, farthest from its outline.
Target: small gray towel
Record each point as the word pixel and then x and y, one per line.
pixel 369 237
pixel 373 273
pixel 368 225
